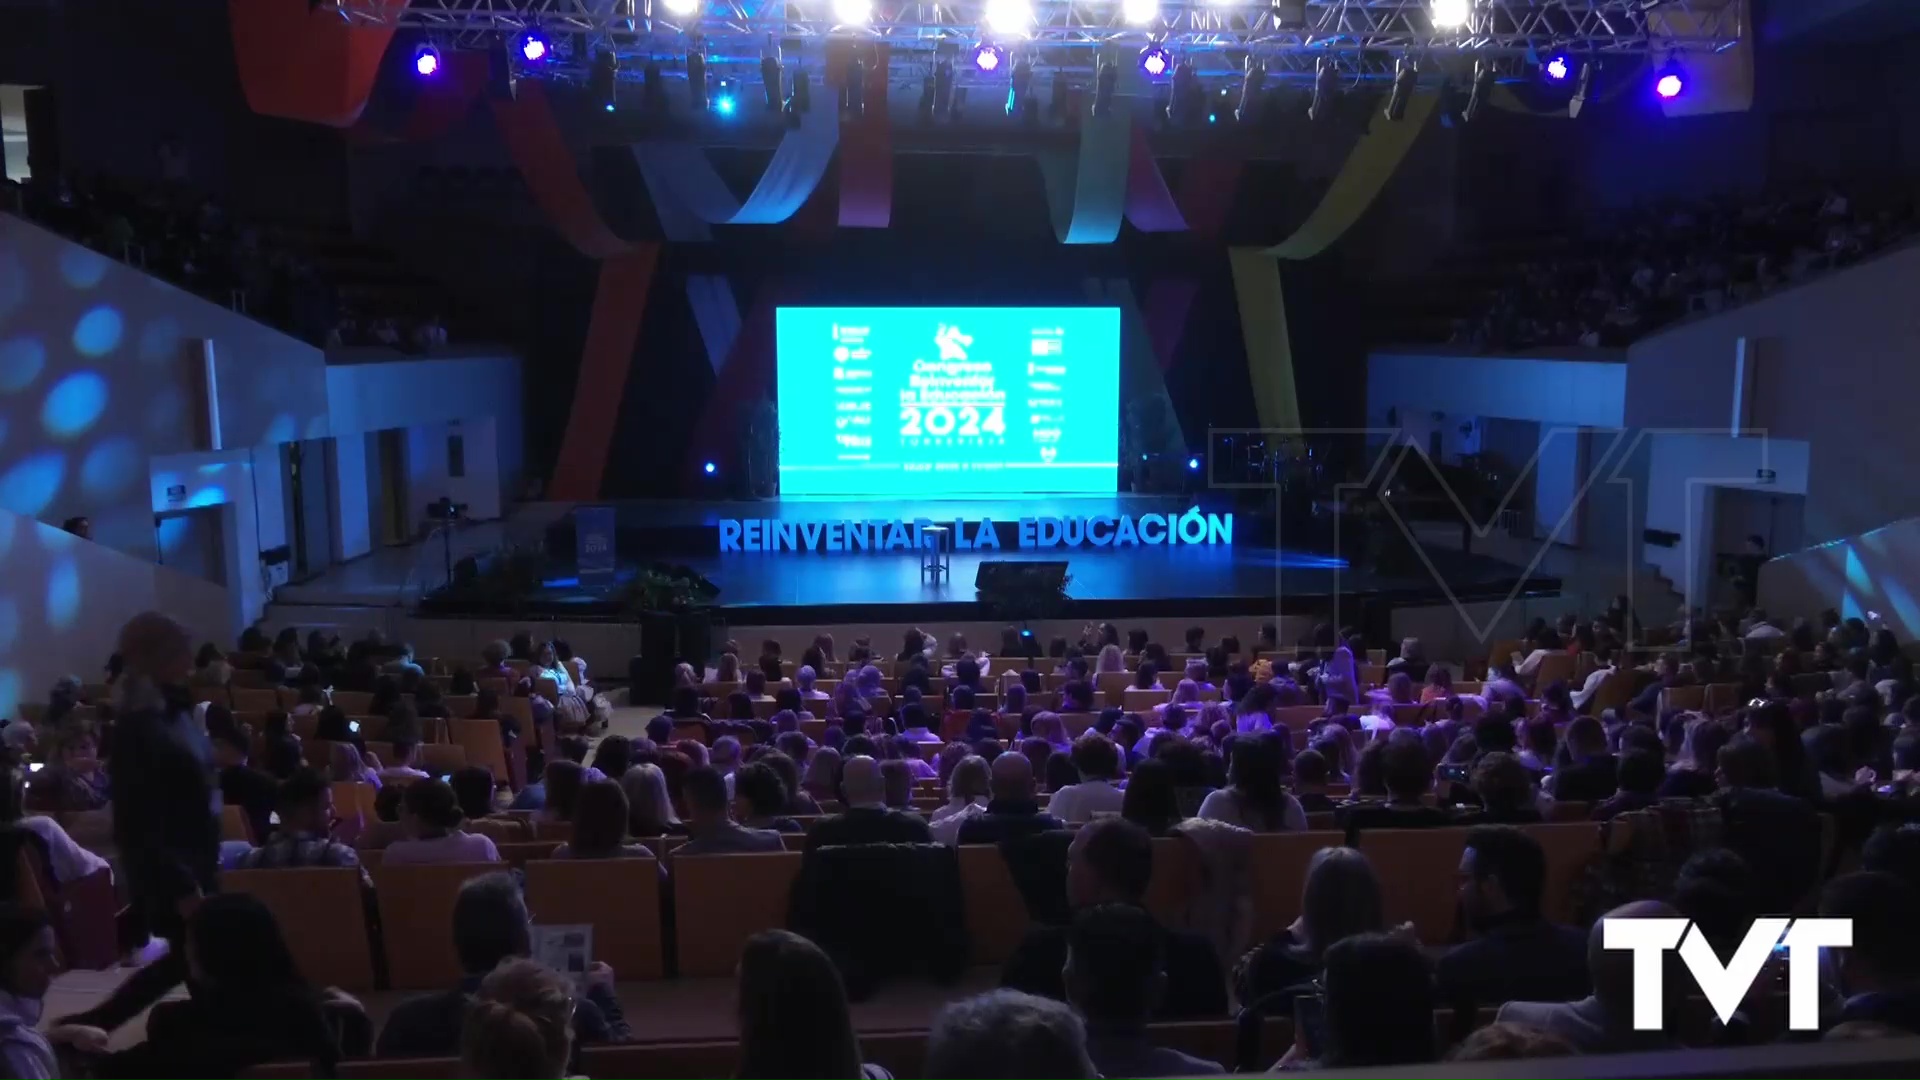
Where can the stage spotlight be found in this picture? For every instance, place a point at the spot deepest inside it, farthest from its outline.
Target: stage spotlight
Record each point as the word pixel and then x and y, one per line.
pixel 603 78
pixel 1106 81
pixel 1155 61
pixel 801 99
pixel 1020 92
pixel 1406 74
pixel 1482 89
pixel 1450 14
pixel 709 468
pixel 681 7
pixel 1558 68
pixel 723 102
pixel 1140 12
pixel 1671 83
pixel 770 74
pixel 853 91
pixel 1184 103
pixel 697 81
pixel 852 12
pixel 426 60
pixel 942 84
pixel 1582 86
pixel 1010 18
pixel 1193 464
pixel 1326 90
pixel 1250 90
pixel 533 45
pixel 988 57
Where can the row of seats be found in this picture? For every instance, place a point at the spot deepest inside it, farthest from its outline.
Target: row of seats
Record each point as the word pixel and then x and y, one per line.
pixel 723 899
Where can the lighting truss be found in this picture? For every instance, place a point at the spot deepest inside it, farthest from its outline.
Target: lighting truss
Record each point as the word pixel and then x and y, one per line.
pixel 1364 37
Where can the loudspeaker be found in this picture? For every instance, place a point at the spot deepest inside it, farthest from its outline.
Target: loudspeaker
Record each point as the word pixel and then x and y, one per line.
pixel 1002 576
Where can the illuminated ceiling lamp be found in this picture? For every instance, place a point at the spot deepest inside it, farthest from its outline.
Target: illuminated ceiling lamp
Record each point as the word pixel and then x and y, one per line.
pixel 852 12
pixel 1557 69
pixel 426 60
pixel 989 58
pixel 1450 14
pixel 1670 83
pixel 1155 60
pixel 532 46
pixel 1140 12
pixel 682 8
pixel 1009 18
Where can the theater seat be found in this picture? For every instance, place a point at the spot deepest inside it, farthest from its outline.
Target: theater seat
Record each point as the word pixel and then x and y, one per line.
pixel 416 920
pixel 1569 848
pixel 479 741
pixel 1277 871
pixel 996 913
pixel 619 898
pixel 323 913
pixel 1418 869
pixel 721 900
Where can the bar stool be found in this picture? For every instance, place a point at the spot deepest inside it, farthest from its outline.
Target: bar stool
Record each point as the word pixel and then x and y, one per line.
pixel 935 553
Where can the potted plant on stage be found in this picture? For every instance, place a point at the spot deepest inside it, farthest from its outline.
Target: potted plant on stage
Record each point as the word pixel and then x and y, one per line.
pixel 674 607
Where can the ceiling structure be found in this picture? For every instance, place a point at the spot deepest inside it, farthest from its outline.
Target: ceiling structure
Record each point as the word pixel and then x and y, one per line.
pixel 1364 39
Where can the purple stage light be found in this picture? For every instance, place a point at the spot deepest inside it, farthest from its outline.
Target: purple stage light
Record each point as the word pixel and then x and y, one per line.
pixel 988 57
pixel 1155 61
pixel 534 46
pixel 1558 68
pixel 1669 86
pixel 426 61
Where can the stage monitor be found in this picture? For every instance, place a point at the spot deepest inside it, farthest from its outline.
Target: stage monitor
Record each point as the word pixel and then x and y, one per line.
pixel 930 402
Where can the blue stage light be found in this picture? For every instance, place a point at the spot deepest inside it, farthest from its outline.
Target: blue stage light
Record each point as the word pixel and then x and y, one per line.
pixel 709 468
pixel 534 46
pixel 426 61
pixel 1193 464
pixel 1559 68
pixel 1155 61
pixel 1670 85
pixel 723 105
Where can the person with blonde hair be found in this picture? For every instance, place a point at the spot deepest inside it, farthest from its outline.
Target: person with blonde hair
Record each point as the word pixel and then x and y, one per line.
pixel 649 804
pixel 519 1025
pixel 1110 660
pixel 969 787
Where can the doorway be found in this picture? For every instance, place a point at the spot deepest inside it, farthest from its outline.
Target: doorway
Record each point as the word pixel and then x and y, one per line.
pixel 193 542
pixel 1777 518
pixel 390 512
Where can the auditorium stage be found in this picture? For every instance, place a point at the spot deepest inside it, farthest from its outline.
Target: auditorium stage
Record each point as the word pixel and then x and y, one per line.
pixel 1262 572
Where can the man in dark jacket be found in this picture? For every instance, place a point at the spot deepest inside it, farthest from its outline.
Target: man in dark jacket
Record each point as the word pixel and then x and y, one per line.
pixel 1110 862
pixel 867 819
pixel 166 820
pixel 1013 811
pixel 490 923
pixel 1881 972
pixel 1516 954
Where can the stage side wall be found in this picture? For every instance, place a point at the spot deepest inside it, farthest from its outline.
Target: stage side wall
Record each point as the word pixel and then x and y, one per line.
pixel 1872 572
pixel 63 601
pixel 1833 370
pixel 103 368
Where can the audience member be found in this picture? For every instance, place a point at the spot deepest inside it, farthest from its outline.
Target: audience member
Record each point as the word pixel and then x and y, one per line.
pixel 490 926
pixel 1097 762
pixel 1341 898
pixel 519 1025
pixel 1256 797
pixel 1601 1022
pixel 1014 810
pixel 1406 775
pixel 1116 976
pixel 793 1013
pixel 1516 953
pixel 867 818
pixel 1007 1035
pixel 433 820
pixel 601 818
pixel 1378 1004
pixel 1110 861
pixel 710 824
pixel 29 959
pixel 1880 973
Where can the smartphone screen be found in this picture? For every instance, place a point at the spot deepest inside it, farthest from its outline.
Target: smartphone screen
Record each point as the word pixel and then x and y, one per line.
pixel 353 726
pixel 1310 1023
pixel 1455 774
pixel 36 766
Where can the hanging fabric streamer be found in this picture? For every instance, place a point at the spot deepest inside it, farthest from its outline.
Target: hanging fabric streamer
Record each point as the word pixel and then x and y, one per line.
pixel 1087 190
pixel 1207 185
pixel 302 62
pixel 533 139
pixel 716 314
pixel 1256 271
pixel 689 196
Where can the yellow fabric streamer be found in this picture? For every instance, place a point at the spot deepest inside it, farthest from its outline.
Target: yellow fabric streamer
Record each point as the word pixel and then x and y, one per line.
pixel 1256 271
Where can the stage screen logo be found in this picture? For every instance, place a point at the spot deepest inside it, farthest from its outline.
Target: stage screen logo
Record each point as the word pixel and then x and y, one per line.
pixel 931 402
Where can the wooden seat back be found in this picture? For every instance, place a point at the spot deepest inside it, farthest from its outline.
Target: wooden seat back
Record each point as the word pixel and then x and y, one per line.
pixel 626 933
pixel 416 920
pixel 734 897
pixel 1418 869
pixel 322 912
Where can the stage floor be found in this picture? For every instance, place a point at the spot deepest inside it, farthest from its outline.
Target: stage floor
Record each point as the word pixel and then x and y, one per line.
pixel 1251 577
